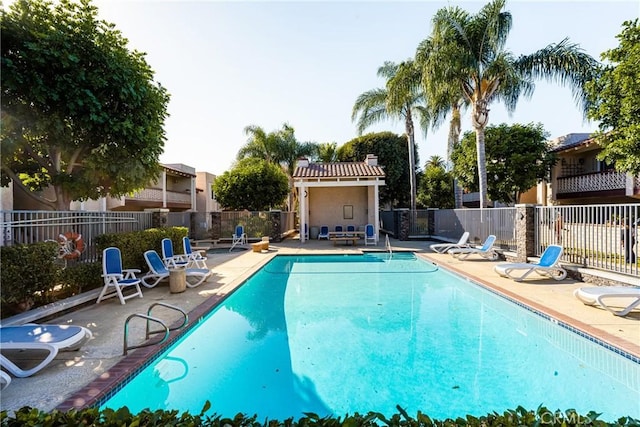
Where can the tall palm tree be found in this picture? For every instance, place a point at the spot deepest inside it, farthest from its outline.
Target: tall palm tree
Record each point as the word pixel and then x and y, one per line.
pixel 469 50
pixel 260 144
pixel 398 100
pixel 435 162
pixel 289 151
pixel 443 97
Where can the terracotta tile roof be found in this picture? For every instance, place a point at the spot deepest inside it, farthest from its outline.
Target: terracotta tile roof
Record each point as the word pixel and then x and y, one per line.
pixel 570 141
pixel 339 170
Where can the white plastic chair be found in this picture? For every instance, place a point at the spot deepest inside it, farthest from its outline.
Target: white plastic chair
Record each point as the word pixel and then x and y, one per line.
pixel 238 238
pixel 169 258
pixel 370 237
pixel 194 259
pixel 324 232
pixel 116 279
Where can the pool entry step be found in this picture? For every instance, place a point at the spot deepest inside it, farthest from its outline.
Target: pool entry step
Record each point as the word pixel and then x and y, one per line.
pixel 149 332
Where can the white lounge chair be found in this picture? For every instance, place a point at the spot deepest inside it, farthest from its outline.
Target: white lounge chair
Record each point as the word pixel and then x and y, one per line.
pixel 194 259
pixel 324 232
pixel 5 380
pixel 31 341
pixel 239 237
pixel 116 278
pixel 159 271
pixel 169 258
pixel 548 265
pixel 485 251
pixel 444 247
pixel 598 294
pixel 370 235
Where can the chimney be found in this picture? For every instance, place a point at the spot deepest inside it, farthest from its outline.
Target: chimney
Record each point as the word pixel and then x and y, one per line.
pixel 371 160
pixel 303 162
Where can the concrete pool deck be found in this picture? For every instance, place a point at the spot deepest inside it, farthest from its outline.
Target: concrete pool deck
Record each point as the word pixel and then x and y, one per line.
pixel 74 378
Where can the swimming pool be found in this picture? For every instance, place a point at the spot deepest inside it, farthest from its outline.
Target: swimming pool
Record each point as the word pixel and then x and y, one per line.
pixel 337 334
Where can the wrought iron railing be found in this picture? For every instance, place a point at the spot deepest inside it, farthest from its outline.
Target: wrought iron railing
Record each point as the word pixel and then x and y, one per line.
pixel 596 236
pixel 480 223
pixel 20 227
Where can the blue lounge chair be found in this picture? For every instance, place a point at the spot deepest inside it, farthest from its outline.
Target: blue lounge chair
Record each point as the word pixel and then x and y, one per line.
pixel 324 232
pixel 485 251
pixel 194 259
pixel 444 247
pixel 370 235
pixel 169 258
pixel 239 237
pixel 159 271
pixel 116 279
pixel 549 265
pixel 30 341
pixel 339 231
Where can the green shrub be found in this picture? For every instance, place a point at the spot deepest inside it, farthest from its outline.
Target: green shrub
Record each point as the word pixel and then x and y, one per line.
pixel 27 275
pixel 133 245
pixel 123 417
pixel 30 276
pixel 79 278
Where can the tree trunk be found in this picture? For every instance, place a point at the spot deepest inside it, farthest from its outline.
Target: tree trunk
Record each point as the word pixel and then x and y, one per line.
pixel 482 167
pixel 63 201
pixel 291 198
pixel 412 161
pixel 479 120
pixel 453 140
pixel 457 194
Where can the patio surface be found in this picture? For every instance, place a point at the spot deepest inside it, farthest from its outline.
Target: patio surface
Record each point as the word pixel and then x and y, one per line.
pixel 75 377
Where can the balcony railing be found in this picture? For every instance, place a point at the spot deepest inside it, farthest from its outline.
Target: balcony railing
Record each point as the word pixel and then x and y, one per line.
pixel 597 181
pixel 155 195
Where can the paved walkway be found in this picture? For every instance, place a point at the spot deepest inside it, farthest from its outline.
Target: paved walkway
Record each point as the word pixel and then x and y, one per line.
pixel 74 371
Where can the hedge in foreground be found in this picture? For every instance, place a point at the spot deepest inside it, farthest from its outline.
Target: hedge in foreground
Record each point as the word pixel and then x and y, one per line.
pixel 122 417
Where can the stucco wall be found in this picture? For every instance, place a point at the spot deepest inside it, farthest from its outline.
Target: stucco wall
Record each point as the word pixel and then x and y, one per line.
pixel 326 206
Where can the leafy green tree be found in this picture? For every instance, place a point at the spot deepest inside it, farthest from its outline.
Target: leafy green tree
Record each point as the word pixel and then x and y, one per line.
pixel 252 184
pixel 401 97
pixel 391 150
pixel 616 102
pixel 279 147
pixel 436 185
pixel 470 51
pixel 517 159
pixel 80 112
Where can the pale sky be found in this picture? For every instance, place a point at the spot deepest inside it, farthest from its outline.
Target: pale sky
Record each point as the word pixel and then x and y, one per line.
pixel 231 64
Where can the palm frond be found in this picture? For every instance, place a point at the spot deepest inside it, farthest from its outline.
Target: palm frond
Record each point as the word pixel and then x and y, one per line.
pixel 370 108
pixel 563 63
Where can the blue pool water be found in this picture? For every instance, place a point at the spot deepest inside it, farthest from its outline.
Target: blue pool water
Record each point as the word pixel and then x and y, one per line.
pixel 340 334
